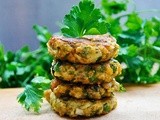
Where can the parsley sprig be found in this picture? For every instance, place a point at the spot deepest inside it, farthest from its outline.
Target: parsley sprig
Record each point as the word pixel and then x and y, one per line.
pixel 84 19
pixel 32 96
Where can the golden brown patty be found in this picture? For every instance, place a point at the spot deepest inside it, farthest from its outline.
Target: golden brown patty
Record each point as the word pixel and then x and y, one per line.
pixel 87 50
pixel 74 107
pixel 86 74
pixel 61 89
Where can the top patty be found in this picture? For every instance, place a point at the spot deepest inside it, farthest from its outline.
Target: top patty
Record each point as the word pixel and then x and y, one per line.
pixel 87 50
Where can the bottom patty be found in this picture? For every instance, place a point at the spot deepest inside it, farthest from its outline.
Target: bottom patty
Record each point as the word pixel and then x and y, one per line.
pixel 62 89
pixel 86 108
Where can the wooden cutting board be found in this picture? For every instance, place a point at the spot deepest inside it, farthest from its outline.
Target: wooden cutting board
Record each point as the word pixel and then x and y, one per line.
pixel 138 103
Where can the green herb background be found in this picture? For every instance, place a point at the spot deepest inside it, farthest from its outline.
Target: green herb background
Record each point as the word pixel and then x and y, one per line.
pixel 138 38
pixel 20 67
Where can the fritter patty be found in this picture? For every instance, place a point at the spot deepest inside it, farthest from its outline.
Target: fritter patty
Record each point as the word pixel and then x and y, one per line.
pixel 87 108
pixel 61 89
pixel 87 50
pixel 86 74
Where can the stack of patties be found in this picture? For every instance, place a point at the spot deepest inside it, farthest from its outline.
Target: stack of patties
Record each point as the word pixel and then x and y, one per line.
pixel 84 75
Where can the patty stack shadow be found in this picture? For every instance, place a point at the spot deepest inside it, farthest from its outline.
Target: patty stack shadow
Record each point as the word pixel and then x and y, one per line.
pixel 84 73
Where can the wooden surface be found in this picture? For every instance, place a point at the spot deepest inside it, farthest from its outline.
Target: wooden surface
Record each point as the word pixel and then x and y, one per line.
pixel 138 103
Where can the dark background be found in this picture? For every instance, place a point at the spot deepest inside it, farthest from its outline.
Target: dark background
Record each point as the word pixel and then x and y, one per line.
pixel 18 16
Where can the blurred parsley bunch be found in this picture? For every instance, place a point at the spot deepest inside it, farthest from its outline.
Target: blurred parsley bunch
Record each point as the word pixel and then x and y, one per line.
pixel 139 40
pixel 18 69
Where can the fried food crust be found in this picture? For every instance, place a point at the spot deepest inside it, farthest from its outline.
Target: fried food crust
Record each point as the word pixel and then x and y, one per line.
pixel 87 50
pixel 95 92
pixel 86 74
pixel 86 108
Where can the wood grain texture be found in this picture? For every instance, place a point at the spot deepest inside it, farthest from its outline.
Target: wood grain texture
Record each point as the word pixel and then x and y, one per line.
pixel 138 103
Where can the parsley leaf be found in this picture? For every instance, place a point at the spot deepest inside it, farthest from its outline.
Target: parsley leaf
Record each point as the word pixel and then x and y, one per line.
pixel 31 97
pixel 134 22
pixel 114 26
pixel 42 34
pixel 114 6
pixel 84 19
